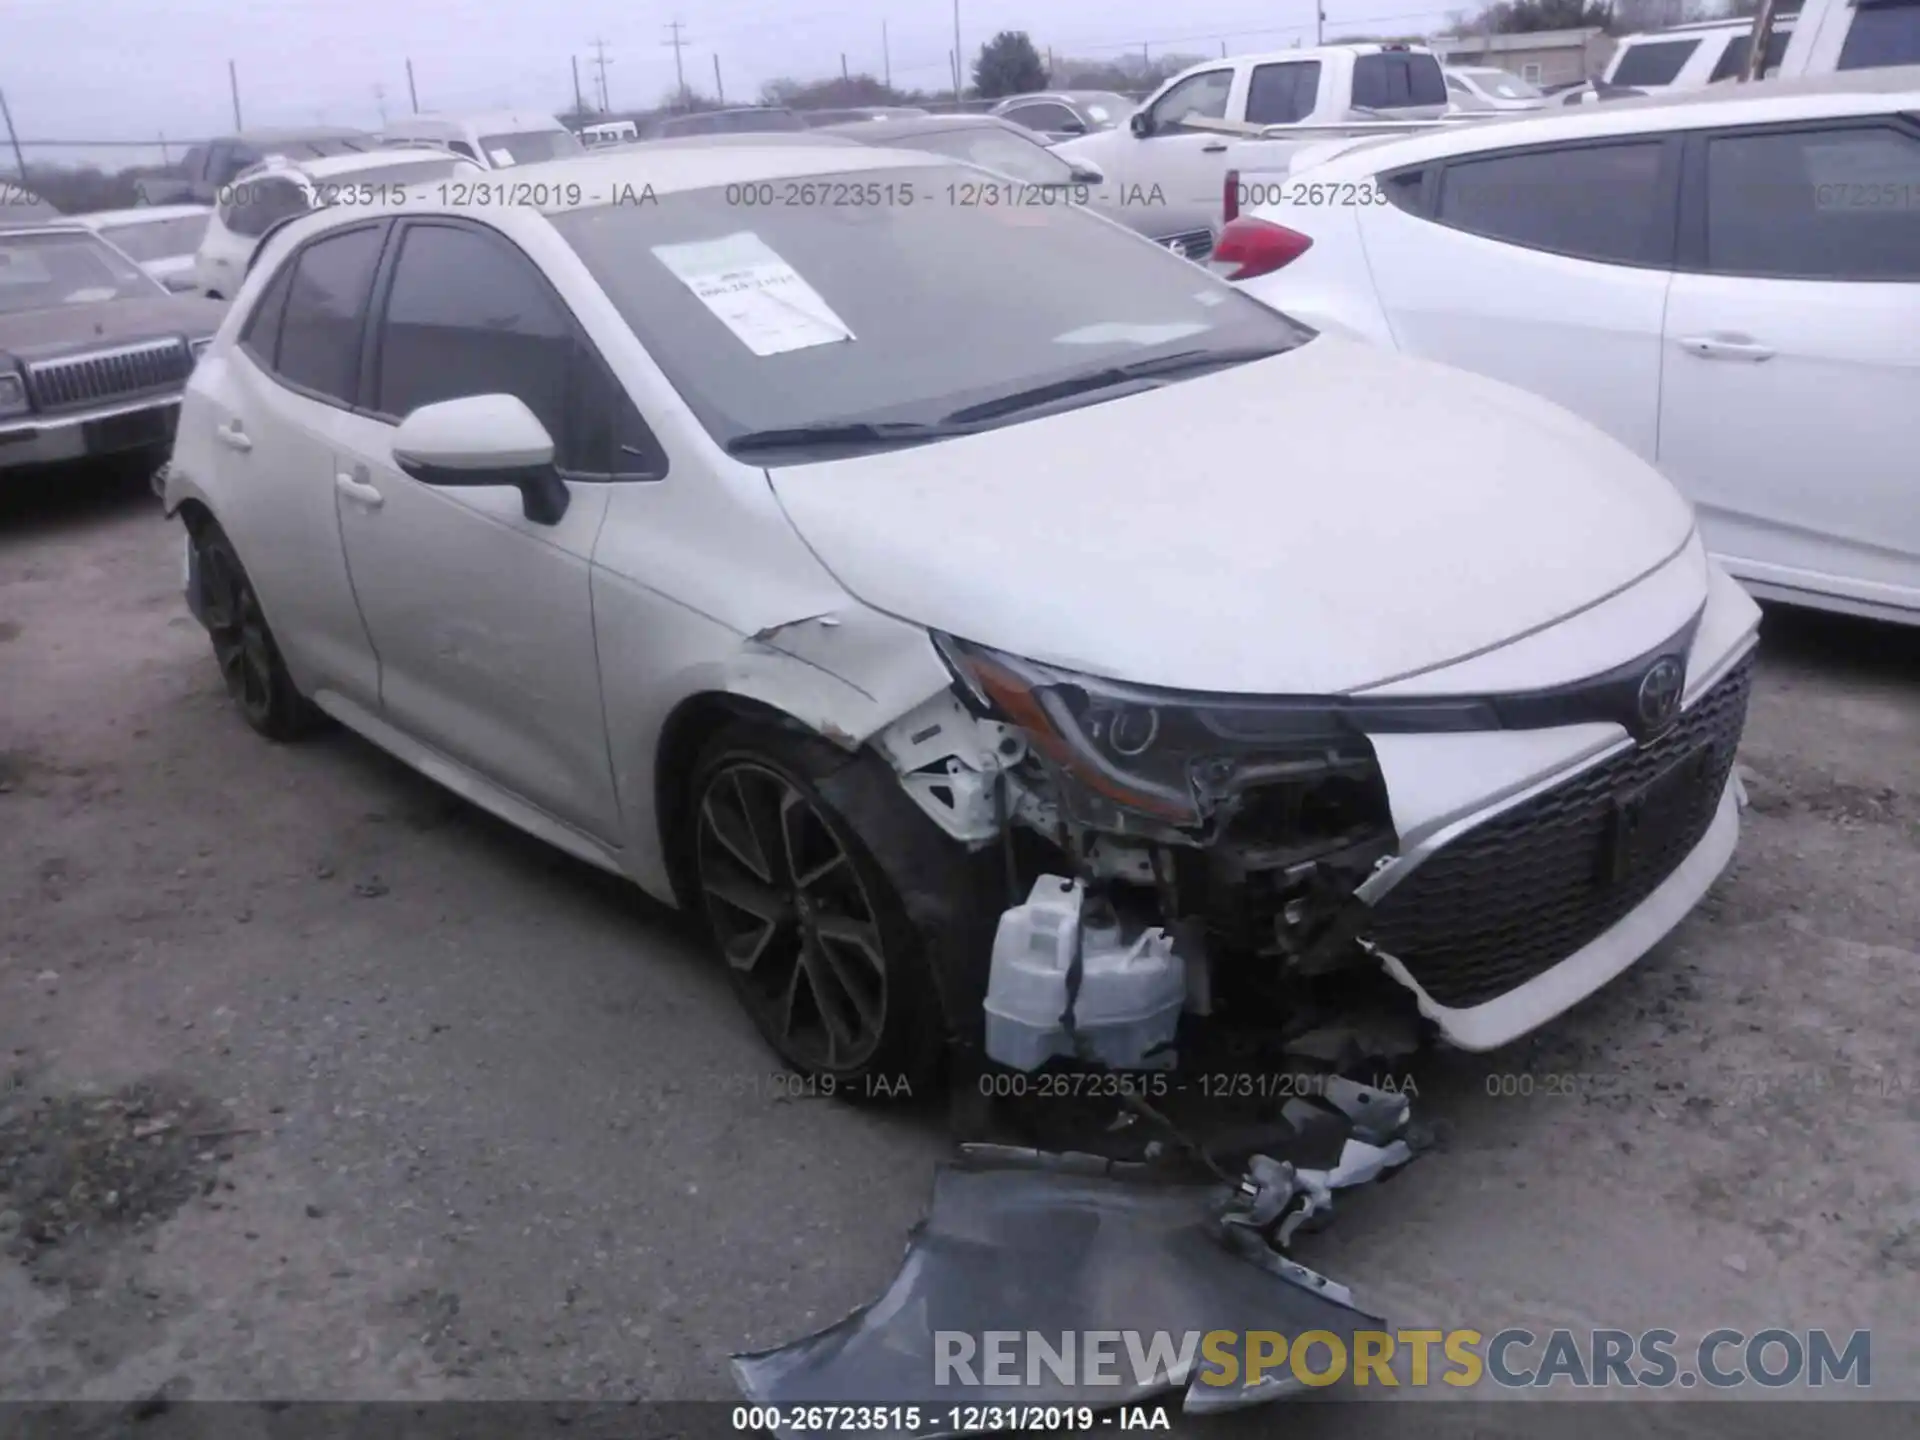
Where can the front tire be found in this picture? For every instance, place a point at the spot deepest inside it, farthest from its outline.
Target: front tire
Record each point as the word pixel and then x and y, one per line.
pixel 817 943
pixel 249 658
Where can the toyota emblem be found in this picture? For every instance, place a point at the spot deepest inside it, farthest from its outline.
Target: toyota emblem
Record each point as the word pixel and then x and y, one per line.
pixel 1659 698
pixel 1178 247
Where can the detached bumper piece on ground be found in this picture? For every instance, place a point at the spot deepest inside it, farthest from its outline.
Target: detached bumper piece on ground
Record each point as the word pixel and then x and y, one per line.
pixel 1060 1245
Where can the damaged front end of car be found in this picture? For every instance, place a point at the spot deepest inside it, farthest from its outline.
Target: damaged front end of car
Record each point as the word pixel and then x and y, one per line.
pixel 1168 1056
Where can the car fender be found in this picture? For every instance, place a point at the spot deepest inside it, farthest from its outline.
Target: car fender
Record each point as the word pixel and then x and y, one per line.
pixel 843 673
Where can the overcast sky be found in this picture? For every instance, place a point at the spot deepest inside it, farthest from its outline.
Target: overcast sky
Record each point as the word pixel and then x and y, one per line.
pixel 135 69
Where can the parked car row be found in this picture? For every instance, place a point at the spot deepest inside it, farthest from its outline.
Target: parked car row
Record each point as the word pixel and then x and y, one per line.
pixel 678 535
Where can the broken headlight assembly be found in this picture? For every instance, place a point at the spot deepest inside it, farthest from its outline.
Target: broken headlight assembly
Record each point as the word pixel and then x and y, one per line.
pixel 1183 760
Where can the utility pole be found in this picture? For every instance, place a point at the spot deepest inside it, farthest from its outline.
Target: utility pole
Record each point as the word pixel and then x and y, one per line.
pixel 843 68
pixel 413 95
pixel 380 103
pixel 19 160
pixel 1319 23
pixel 233 84
pixel 678 73
pixel 600 62
pixel 886 57
pixel 959 57
pixel 165 159
pixel 719 90
pixel 1223 49
pixel 1756 66
pixel 579 102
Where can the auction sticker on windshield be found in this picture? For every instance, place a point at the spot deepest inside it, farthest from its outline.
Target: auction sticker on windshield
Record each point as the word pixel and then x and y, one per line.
pixel 754 293
pixel 501 155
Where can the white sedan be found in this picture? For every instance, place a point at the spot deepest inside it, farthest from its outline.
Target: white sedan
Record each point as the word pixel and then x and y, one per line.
pixel 1728 282
pixel 795 559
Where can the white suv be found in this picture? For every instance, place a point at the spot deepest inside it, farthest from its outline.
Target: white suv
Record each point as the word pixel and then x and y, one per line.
pixel 1727 281
pixel 269 193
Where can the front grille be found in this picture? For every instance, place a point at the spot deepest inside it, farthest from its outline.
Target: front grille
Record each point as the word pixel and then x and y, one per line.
pixel 1195 244
pixel 104 375
pixel 1513 897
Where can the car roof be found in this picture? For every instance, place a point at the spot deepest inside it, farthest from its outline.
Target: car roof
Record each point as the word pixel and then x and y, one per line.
pixel 499 122
pixel 320 167
pixel 1754 102
pixel 270 133
pixel 602 178
pixel 139 213
pixel 878 133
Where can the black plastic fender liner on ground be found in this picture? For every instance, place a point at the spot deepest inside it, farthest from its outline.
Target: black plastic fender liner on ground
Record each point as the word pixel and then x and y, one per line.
pixel 1054 1253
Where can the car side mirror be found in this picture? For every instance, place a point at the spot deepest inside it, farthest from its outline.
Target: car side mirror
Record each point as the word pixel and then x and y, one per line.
pixel 1073 127
pixel 484 440
pixel 1088 175
pixel 1141 123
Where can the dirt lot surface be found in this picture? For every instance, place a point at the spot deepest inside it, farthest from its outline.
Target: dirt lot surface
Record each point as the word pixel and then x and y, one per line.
pixel 316 1082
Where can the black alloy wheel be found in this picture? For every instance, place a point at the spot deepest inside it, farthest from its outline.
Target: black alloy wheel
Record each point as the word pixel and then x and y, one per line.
pixel 243 645
pixel 792 910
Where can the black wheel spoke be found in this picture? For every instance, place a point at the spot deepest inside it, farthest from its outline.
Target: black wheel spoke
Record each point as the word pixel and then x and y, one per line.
pixel 731 823
pixel 851 952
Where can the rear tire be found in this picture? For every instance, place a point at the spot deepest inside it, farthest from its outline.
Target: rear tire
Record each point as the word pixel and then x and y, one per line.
pixel 817 941
pixel 249 658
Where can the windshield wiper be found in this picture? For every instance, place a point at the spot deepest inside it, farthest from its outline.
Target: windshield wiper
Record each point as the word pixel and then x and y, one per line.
pixel 1108 376
pixel 855 433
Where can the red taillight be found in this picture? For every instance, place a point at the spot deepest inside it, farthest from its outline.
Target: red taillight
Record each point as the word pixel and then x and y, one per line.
pixel 1230 198
pixel 1248 247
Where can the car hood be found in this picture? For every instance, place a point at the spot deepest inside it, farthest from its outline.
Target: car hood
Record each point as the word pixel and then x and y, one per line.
pixel 38 334
pixel 1320 522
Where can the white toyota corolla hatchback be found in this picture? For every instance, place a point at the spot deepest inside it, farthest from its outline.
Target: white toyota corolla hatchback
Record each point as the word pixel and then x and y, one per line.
pixel 836 545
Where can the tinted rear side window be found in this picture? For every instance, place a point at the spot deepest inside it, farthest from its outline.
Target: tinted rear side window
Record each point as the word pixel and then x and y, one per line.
pixel 320 331
pixel 1884 32
pixel 1733 60
pixel 1390 81
pixel 1597 202
pixel 1282 94
pixel 1658 62
pixel 1831 204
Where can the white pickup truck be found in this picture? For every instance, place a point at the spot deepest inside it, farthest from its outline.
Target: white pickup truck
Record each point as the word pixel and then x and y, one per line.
pixel 1234 114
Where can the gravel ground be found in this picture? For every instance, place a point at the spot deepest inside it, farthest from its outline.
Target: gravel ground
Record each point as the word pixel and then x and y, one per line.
pixel 315 1082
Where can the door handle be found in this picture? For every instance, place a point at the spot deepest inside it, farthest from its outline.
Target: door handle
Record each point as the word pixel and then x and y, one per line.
pixel 358 491
pixel 1725 347
pixel 234 437
pixel 1213 148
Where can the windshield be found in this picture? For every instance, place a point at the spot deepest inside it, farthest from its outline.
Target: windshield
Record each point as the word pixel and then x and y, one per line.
pixel 148 240
pixel 1502 86
pixel 906 303
pixel 40 272
pixel 1013 155
pixel 529 147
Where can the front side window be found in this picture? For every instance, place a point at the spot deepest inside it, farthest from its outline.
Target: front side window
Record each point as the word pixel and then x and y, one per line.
pixel 1395 81
pixel 528 147
pixel 469 314
pixel 1597 202
pixel 803 316
pixel 65 267
pixel 1202 96
pixel 1044 117
pixel 1658 62
pixel 1828 204
pixel 255 205
pixel 1884 32
pixel 319 349
pixel 1283 94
